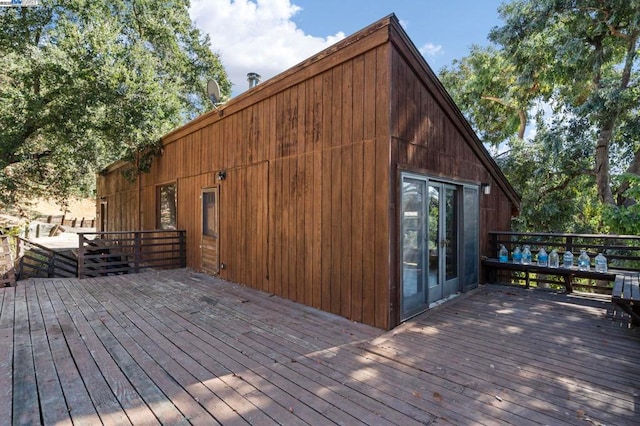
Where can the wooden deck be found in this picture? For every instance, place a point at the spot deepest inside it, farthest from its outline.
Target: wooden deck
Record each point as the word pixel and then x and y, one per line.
pixel 177 347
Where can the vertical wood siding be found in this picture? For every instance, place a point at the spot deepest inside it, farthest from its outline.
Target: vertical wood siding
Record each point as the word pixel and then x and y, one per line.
pixel 304 206
pixel 308 206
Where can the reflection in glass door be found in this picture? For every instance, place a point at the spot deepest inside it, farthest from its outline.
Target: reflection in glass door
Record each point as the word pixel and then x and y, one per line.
pixel 430 242
pixel 443 241
pixel 435 237
pixel 450 243
pixel 413 242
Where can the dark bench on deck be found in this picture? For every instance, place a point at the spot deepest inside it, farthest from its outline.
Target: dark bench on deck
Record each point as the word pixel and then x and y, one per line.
pixel 626 294
pixel 493 265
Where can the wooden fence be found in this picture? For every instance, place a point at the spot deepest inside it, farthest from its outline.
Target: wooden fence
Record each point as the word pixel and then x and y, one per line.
pixel 106 253
pixel 622 253
pixel 62 220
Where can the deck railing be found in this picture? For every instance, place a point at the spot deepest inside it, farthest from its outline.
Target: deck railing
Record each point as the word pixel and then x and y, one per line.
pixel 622 253
pixel 107 253
pixel 38 261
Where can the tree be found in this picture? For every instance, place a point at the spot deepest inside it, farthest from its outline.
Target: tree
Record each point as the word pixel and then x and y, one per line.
pixel 484 83
pixel 576 61
pixel 83 83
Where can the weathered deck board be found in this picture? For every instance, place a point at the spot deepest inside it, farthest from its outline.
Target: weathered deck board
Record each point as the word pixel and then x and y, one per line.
pixel 25 392
pixel 130 401
pixel 177 347
pixel 6 353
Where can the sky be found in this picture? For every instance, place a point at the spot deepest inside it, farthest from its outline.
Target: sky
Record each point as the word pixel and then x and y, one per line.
pixel 270 36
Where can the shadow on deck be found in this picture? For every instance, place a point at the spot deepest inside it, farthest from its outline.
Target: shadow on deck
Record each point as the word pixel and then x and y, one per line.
pixel 181 347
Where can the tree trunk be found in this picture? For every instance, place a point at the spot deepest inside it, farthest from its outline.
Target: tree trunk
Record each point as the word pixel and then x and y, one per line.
pixel 605 195
pixel 602 163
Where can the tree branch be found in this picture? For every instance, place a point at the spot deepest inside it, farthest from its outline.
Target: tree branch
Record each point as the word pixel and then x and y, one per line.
pixel 566 181
pixel 522 115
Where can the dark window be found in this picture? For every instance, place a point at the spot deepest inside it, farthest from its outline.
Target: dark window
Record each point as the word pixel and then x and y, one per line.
pixel 167 206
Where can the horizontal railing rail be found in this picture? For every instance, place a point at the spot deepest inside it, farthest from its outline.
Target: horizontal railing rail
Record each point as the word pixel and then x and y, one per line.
pixel 121 252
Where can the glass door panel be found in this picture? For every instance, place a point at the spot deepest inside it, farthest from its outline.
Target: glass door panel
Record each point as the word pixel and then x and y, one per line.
pixel 471 232
pixel 449 245
pixel 413 226
pixel 435 240
pixel 431 248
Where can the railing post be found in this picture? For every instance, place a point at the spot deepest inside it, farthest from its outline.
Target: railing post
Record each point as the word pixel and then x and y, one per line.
pixel 19 257
pixel 80 267
pixel 51 265
pixel 183 248
pixel 569 244
pixel 137 248
pixel 494 244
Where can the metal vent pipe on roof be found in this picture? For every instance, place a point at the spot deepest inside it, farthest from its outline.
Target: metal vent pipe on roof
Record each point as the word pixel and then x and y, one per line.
pixel 253 78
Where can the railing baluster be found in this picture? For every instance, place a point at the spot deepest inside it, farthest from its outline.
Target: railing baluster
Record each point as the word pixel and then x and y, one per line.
pixel 137 242
pixel 81 251
pixel 183 248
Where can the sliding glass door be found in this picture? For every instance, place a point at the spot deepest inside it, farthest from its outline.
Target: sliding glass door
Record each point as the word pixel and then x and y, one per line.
pixel 414 245
pixel 432 240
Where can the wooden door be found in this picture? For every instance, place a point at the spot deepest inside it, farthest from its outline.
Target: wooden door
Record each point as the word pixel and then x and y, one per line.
pixel 210 230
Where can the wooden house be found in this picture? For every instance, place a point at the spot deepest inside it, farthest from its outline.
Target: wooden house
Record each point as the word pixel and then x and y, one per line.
pixel 350 182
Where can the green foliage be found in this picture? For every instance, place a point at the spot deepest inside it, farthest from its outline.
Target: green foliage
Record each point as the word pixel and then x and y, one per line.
pixel 572 69
pixel 486 90
pixel 83 83
pixel 625 219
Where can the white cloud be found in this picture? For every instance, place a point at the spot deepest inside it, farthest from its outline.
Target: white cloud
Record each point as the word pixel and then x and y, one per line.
pixel 256 36
pixel 430 49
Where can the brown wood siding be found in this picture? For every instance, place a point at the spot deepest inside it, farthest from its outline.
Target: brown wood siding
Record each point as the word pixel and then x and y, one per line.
pixel 304 206
pixel 308 209
pixel 319 254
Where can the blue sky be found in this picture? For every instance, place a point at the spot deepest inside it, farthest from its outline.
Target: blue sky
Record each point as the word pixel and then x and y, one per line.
pixel 269 36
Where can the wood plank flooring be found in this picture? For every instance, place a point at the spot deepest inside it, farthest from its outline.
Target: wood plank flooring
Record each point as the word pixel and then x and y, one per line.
pixel 178 347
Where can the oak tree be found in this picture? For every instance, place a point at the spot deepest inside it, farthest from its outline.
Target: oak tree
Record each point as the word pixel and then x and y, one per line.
pixel 569 71
pixel 86 82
